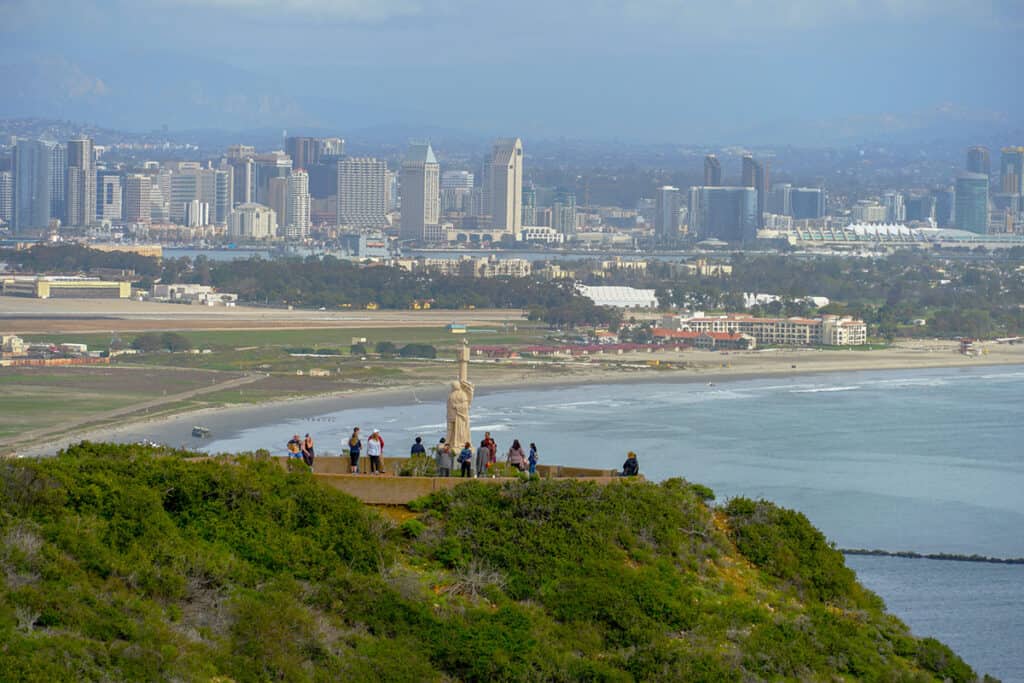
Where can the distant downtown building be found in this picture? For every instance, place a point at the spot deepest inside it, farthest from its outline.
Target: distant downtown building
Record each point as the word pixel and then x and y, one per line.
pixel 297 206
pixel 1011 170
pixel 807 203
pixel 138 190
pixel 81 183
pixel 6 196
pixel 109 198
pixel 978 160
pixel 945 206
pixel 972 202
pixel 563 213
pixel 304 152
pixel 362 192
pixel 506 186
pixel 712 171
pixel 666 213
pixel 40 167
pixel 755 175
pixel 252 222
pixel 420 186
pixel 724 213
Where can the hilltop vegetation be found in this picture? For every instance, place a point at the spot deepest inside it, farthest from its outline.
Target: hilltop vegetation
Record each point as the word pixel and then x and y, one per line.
pixel 129 563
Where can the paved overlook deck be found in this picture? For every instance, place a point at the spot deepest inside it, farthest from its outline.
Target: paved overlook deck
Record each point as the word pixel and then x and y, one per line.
pixel 391 489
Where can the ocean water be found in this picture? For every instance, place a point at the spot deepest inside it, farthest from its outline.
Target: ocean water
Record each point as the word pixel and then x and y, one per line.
pixel 925 460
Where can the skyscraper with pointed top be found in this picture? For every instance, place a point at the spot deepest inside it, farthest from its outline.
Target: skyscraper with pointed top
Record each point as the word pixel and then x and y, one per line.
pixel 420 187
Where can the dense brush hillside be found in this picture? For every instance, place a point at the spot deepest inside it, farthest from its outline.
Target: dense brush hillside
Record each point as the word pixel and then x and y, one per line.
pixel 128 563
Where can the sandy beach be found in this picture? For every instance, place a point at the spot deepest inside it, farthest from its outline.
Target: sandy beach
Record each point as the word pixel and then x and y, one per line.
pixel 700 366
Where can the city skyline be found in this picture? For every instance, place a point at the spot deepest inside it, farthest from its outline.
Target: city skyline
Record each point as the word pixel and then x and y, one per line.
pixel 78 61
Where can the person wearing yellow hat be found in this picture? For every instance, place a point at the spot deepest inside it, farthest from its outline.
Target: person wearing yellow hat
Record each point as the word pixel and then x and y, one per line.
pixel 631 467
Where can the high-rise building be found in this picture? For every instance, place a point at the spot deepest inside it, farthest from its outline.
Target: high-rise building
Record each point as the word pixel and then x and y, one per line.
pixel 243 179
pixel 421 192
pixel 563 213
pixel 978 160
pixel 297 206
pixel 252 222
pixel 108 197
pixel 779 199
pixel 945 207
pixel 972 202
pixel 1011 170
pixel 81 183
pixel 724 213
pixel 920 207
pixel 197 214
pixel 331 148
pixel 6 197
pixel 265 167
pixel 806 203
pixel 277 199
pixel 530 205
pixel 666 213
pixel 712 171
pixel 362 192
pixel 184 189
pixel 755 175
pixel 241 152
pixel 895 207
pixel 40 167
pixel 506 187
pixel 138 190
pixel 305 152
pixel 457 180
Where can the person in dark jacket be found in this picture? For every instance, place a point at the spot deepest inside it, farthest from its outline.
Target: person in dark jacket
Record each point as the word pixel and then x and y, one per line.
pixel 631 467
pixel 418 448
pixel 466 460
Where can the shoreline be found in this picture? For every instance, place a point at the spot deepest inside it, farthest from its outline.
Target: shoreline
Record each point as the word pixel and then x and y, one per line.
pixel 513 379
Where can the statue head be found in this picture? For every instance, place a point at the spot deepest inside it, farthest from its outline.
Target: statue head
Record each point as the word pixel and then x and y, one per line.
pixel 455 385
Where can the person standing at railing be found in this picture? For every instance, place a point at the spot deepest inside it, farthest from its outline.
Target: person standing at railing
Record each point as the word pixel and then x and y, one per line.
pixel 532 459
pixel 355 448
pixel 375 449
pixel 465 460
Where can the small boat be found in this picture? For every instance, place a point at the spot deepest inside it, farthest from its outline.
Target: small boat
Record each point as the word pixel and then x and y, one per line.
pixel 200 432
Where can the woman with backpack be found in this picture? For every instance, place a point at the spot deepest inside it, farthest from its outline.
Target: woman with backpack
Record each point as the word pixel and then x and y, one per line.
pixel 516 456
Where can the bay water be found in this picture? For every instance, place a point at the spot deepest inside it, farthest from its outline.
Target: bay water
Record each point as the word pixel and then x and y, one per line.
pixel 930 461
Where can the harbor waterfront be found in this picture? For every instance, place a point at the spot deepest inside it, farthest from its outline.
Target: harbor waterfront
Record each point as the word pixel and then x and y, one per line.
pixel 924 460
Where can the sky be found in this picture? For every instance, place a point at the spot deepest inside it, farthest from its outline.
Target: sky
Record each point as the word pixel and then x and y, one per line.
pixel 673 71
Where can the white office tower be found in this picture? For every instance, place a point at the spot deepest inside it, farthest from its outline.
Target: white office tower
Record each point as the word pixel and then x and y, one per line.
pixel 297 206
pixel 81 183
pixel 109 198
pixel 6 197
pixel 457 180
pixel 138 191
pixel 421 196
pixel 197 214
pixel 666 213
pixel 362 192
pixel 506 195
pixel 252 222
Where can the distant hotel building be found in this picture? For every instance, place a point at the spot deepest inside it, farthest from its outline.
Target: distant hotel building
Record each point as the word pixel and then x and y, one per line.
pixel 362 192
pixel 666 213
pixel 828 330
pixel 724 213
pixel 712 171
pixel 138 190
pixel 109 198
pixel 81 183
pixel 421 193
pixel 297 206
pixel 978 160
pixel 506 186
pixel 252 222
pixel 972 202
pixel 755 175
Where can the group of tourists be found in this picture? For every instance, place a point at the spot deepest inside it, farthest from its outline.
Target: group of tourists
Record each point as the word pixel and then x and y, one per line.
pixel 472 463
pixel 302 448
pixel 476 463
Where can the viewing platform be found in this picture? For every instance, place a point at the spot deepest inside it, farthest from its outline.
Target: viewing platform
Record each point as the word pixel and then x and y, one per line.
pixel 391 488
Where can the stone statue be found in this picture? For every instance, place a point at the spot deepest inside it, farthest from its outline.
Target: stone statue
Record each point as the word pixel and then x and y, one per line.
pixel 459 399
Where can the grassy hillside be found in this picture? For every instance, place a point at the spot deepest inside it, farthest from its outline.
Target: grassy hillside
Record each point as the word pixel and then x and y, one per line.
pixel 125 563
